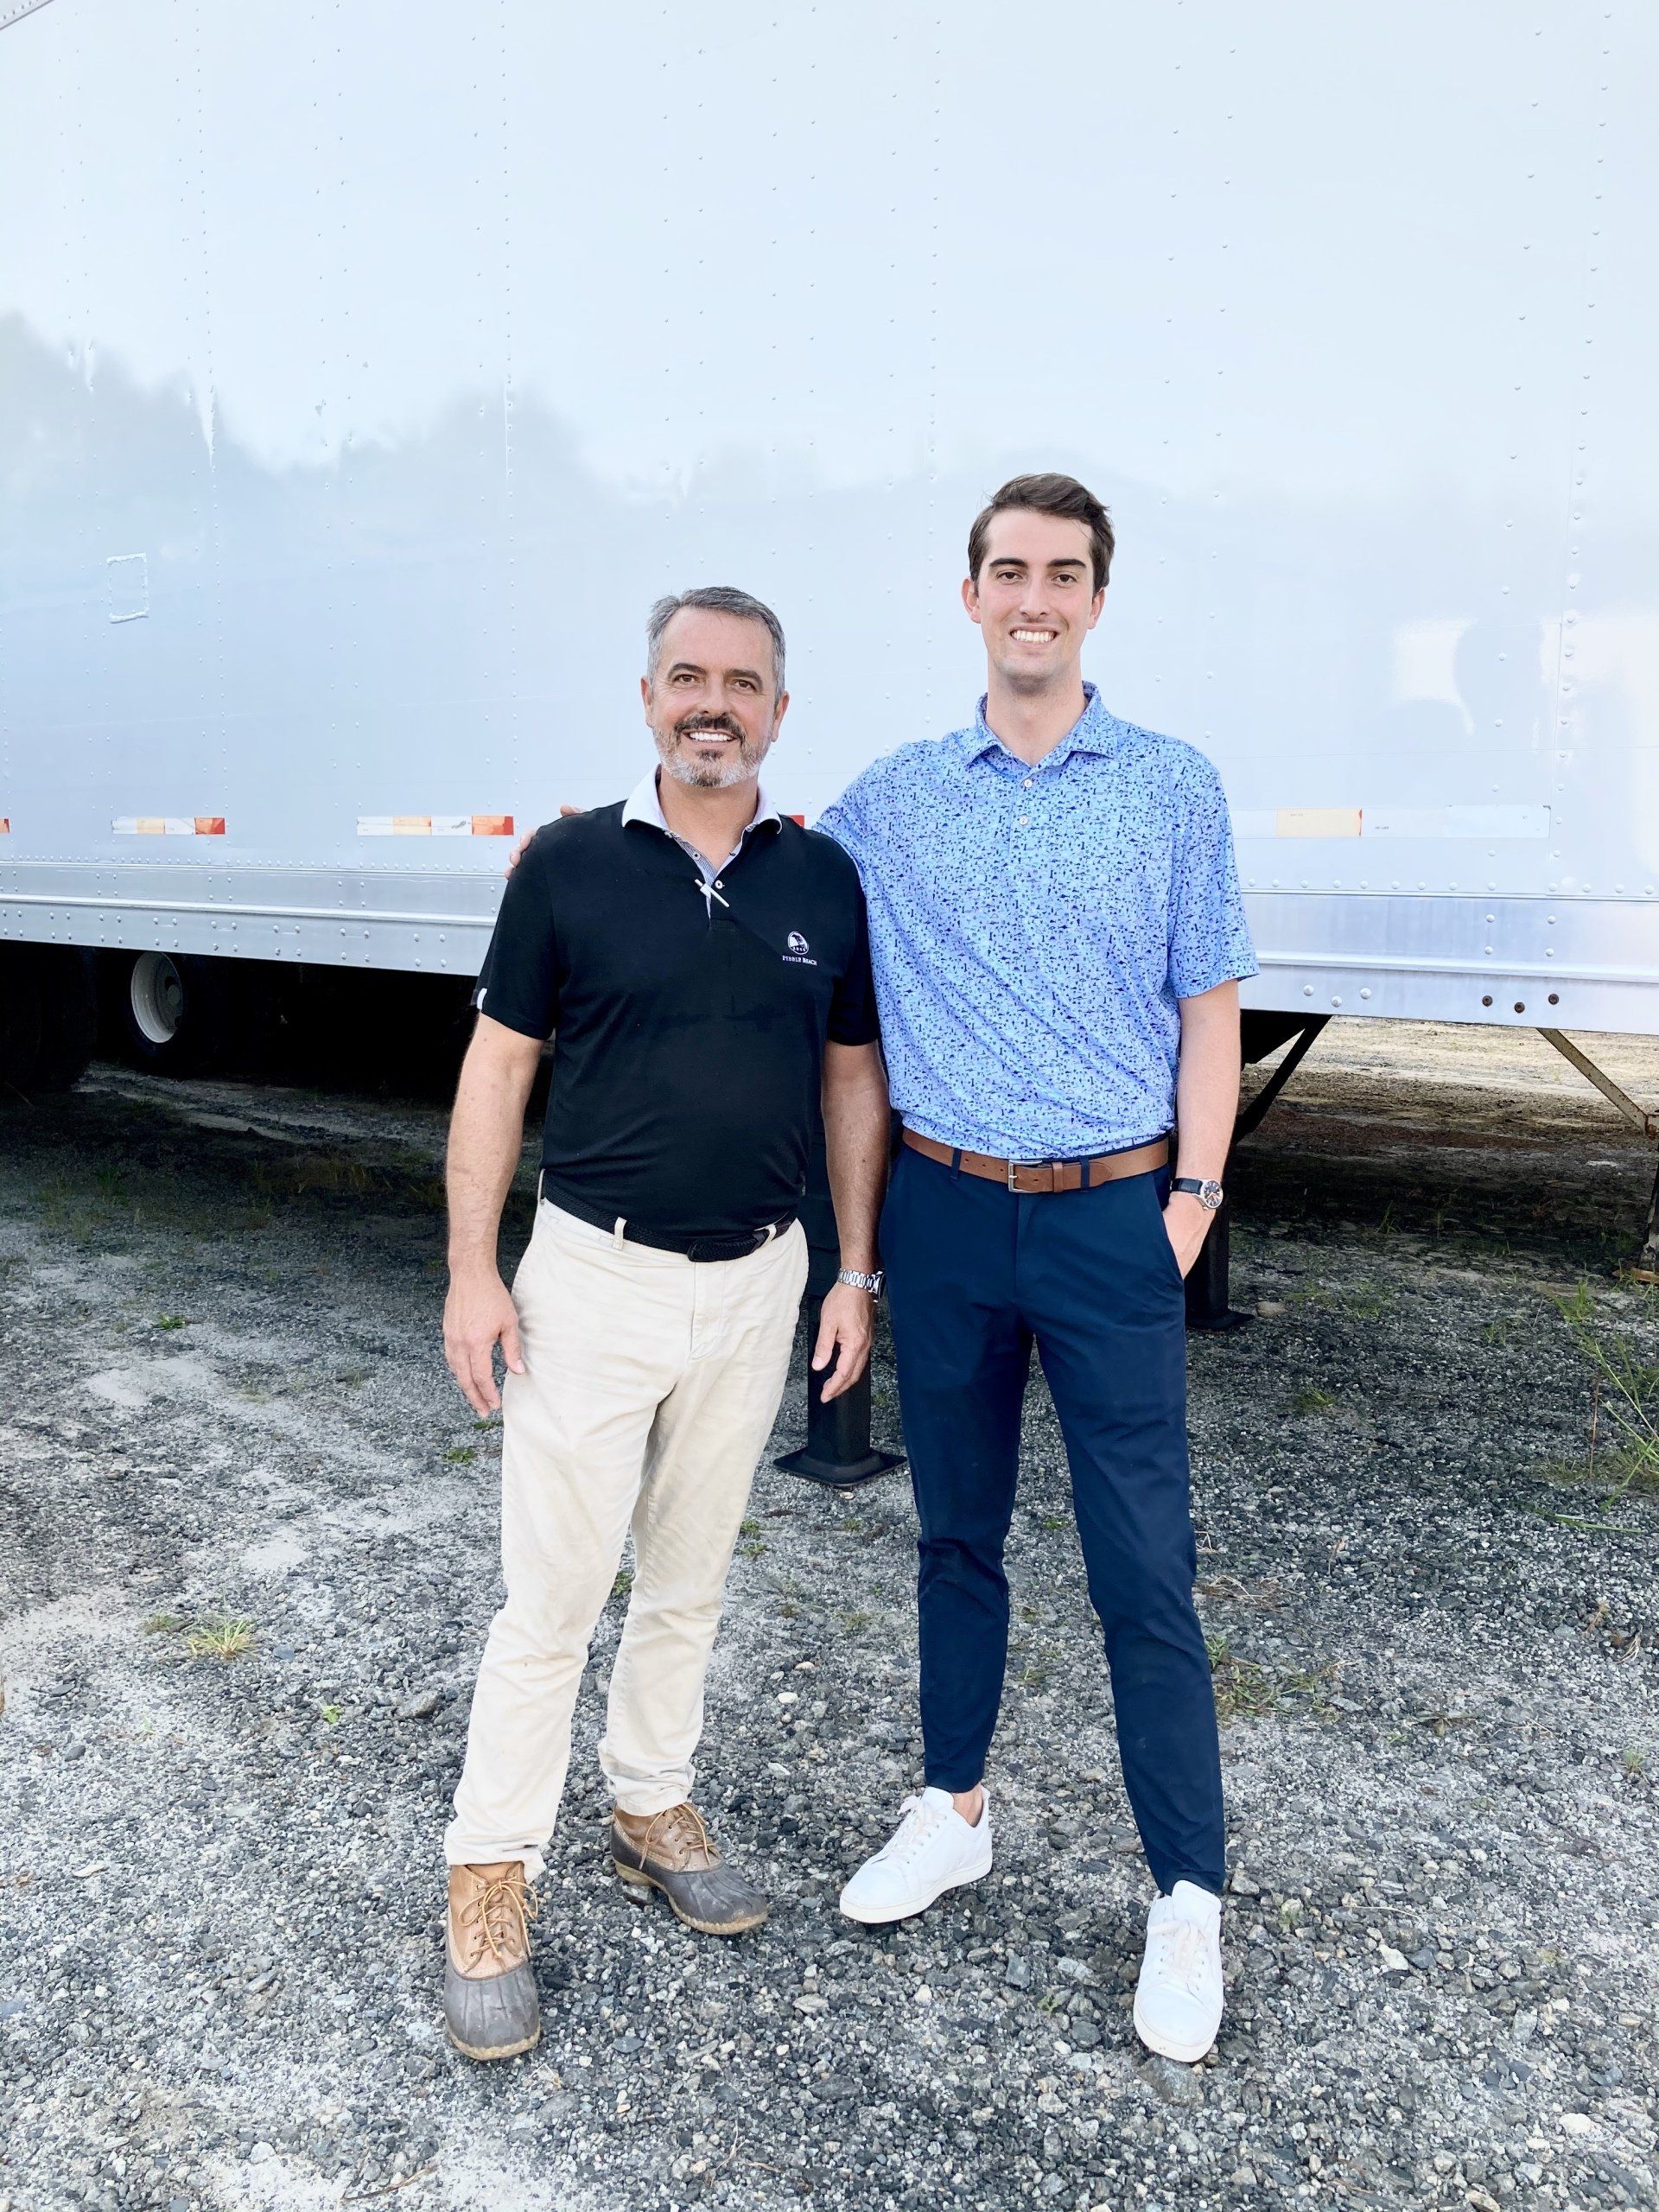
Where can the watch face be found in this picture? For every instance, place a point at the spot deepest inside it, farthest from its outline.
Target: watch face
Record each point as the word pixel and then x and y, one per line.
pixel 1210 1195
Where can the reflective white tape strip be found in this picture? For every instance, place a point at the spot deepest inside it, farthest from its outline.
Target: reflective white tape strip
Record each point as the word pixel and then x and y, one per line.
pixel 1489 823
pixel 434 825
pixel 167 825
pixel 1484 821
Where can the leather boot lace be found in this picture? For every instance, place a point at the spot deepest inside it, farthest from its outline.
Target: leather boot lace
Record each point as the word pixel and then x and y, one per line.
pixel 679 1827
pixel 500 1910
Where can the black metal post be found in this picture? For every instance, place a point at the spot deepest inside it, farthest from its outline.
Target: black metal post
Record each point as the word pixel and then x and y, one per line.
pixel 1208 1312
pixel 837 1450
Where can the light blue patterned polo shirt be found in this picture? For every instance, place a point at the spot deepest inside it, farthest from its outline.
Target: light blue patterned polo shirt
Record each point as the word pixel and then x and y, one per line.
pixel 1033 928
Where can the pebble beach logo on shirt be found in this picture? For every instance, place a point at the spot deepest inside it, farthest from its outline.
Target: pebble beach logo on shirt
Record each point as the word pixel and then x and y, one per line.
pixel 798 951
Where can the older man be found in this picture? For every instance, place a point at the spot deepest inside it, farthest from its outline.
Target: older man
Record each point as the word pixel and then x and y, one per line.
pixel 704 964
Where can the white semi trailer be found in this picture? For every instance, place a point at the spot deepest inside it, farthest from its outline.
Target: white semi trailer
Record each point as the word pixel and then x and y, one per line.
pixel 368 369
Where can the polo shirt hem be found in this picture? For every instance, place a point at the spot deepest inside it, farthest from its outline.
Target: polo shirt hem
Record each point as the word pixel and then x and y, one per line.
pixel 521 1024
pixel 1229 972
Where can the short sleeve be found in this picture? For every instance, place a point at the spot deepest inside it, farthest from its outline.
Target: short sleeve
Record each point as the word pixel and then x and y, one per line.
pixel 519 983
pixel 852 1006
pixel 1209 938
pixel 842 820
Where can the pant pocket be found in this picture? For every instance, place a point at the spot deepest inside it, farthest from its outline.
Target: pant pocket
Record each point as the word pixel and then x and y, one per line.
pixel 1160 1200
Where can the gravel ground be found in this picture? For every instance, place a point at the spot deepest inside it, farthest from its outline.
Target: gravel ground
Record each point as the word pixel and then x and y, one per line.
pixel 220 1893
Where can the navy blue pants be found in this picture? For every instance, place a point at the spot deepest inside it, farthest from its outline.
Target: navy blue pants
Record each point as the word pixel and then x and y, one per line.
pixel 976 1277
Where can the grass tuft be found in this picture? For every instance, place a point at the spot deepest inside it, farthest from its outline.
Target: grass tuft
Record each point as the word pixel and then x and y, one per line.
pixel 224 1638
pixel 1310 1399
pixel 1244 1688
pixel 1622 1449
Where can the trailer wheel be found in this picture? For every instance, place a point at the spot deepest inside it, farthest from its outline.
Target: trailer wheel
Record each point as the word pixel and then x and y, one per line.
pixel 68 1015
pixel 171 1013
pixel 20 1021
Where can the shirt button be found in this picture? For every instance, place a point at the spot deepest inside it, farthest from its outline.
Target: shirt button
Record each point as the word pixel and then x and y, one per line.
pixel 719 883
pixel 1024 821
pixel 1026 786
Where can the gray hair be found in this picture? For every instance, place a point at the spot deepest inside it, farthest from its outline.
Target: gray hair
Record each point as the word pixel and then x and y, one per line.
pixel 718 599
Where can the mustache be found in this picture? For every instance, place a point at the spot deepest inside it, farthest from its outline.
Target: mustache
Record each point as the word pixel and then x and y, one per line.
pixel 715 725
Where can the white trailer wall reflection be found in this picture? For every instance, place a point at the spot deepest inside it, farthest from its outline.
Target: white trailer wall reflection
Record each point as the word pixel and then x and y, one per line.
pixel 366 376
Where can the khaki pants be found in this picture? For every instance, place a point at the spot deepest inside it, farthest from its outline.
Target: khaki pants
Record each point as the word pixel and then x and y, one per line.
pixel 652 1385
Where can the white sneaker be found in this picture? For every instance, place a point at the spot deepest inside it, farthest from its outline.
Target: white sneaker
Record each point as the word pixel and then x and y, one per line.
pixel 932 1850
pixel 1178 1997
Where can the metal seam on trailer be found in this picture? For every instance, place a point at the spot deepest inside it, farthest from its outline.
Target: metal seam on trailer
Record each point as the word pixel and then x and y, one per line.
pixel 213 907
pixel 18 10
pixel 1419 964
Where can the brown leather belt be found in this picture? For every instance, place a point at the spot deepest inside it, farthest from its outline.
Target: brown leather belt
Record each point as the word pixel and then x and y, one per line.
pixel 1029 1179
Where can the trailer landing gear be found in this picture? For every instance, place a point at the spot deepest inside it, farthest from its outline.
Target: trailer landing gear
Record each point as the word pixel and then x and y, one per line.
pixel 1208 1312
pixel 837 1452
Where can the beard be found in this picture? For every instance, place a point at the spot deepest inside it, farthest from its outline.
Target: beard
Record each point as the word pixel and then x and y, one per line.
pixel 733 765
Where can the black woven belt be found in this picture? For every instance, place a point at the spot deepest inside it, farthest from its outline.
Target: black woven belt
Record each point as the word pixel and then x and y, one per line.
pixel 735 1245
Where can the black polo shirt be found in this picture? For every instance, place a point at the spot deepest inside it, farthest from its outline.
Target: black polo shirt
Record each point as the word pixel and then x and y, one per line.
pixel 690 1028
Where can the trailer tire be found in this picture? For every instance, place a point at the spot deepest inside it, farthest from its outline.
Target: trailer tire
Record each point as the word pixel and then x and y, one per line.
pixel 170 1013
pixel 20 1021
pixel 68 1015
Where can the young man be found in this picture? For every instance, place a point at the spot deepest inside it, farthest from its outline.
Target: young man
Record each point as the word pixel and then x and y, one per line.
pixel 1058 938
pixel 705 965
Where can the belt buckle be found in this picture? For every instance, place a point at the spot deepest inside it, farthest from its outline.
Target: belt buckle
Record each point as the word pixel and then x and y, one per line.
pixel 1017 1166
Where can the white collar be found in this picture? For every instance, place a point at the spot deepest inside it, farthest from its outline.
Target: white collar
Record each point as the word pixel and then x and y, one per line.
pixel 644 805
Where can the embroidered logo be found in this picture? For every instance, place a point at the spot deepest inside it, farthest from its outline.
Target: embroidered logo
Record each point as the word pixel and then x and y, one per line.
pixel 799 952
pixel 797 943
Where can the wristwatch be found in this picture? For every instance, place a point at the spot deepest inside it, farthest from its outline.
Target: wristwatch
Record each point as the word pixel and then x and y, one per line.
pixel 857 1282
pixel 1209 1193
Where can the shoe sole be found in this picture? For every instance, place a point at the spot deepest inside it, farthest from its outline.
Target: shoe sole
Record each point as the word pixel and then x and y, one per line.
pixel 1183 2054
pixel 641 1880
pixel 889 1919
pixel 485 2052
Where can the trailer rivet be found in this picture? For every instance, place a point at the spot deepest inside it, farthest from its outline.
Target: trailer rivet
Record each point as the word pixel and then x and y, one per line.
pixel 1487 999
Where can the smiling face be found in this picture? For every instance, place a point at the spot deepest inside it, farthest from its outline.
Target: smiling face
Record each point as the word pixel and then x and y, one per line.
pixel 1034 598
pixel 712 704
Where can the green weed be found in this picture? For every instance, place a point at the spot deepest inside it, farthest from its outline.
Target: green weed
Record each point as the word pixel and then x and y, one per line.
pixel 1312 1400
pixel 224 1638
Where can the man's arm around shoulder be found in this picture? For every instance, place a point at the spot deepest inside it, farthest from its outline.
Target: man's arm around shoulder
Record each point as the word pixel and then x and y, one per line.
pixel 486 1136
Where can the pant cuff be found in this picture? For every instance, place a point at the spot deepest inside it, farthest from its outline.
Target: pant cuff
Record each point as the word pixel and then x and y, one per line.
pixel 956 1781
pixel 1200 1880
pixel 642 1800
pixel 474 1851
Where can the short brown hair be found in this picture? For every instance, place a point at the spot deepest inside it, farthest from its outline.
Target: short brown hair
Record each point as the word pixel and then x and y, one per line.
pixel 1047 494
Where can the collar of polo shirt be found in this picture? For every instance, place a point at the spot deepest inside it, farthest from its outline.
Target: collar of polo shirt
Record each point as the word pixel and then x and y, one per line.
pixel 644 805
pixel 1096 730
